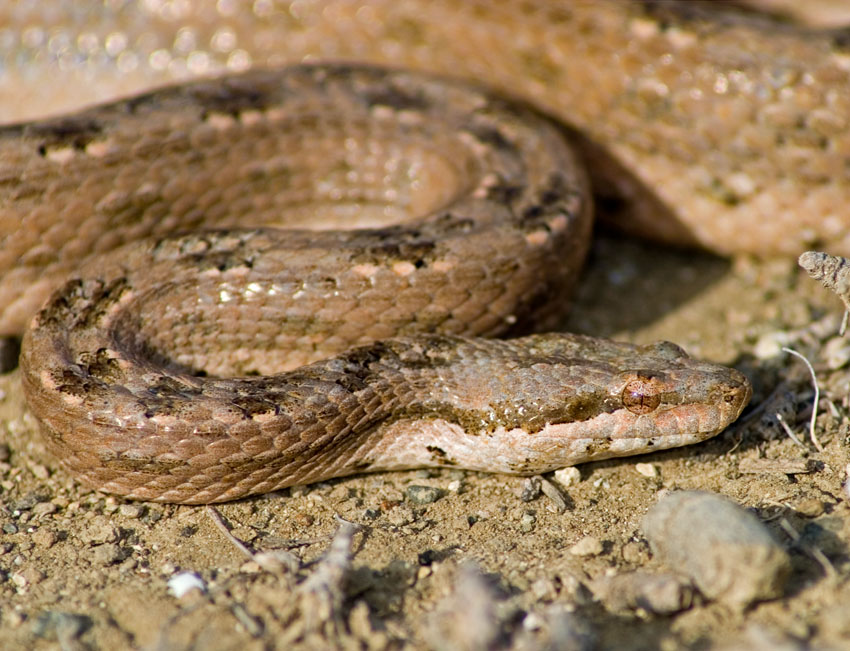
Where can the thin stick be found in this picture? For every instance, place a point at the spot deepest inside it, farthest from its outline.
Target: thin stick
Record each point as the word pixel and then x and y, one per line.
pixel 788 431
pixel 808 364
pixel 811 550
pixel 219 522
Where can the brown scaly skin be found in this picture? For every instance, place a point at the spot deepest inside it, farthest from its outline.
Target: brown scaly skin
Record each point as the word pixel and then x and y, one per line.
pixel 115 364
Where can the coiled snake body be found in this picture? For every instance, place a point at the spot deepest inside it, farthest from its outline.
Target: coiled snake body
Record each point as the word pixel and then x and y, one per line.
pixel 464 212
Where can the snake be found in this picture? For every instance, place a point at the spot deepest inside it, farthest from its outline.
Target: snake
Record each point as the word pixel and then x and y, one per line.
pixel 419 157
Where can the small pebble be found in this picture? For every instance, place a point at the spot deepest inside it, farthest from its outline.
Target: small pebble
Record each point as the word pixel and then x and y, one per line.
pixel 128 565
pixel 14 618
pixel 554 493
pixel 40 472
pixel 567 477
pixel 724 549
pixel 533 622
pixel 770 344
pixel 44 508
pixel 423 494
pixel 100 530
pixel 372 514
pixel 27 502
pixel 530 489
pixel 401 515
pixel 56 625
pixel 299 490
pixel 661 594
pixel 277 561
pixel 250 567
pixel 5 452
pixel 44 538
pixel 131 511
pixel 544 589
pixel 836 353
pixel 810 507
pixel 107 554
pixel 635 553
pixel 390 494
pixel 587 546
pixel 527 522
pixel 183 583
pixel 647 470
pixel 189 531
pixel 28 576
pixel 555 627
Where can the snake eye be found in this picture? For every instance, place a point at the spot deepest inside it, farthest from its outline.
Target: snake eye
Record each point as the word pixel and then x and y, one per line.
pixel 642 395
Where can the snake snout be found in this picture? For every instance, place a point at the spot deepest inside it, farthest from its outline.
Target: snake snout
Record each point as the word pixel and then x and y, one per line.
pixel 735 393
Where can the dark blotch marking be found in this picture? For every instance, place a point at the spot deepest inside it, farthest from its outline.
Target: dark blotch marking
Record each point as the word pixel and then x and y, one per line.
pixel 550 200
pixel 395 98
pixel 405 244
pixel 439 456
pixel 232 97
pixel 76 132
pixel 225 261
pixel 557 189
pixel 73 384
pixel 436 451
pixel 166 387
pixel 450 222
pixel 533 212
pixel 100 365
pixel 491 136
pixel 80 304
pixel 672 13
pixel 402 251
pixel 359 360
pixel 504 193
pixel 253 405
pixel 167 395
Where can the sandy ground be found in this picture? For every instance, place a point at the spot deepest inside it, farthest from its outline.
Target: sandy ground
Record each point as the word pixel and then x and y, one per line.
pixel 470 565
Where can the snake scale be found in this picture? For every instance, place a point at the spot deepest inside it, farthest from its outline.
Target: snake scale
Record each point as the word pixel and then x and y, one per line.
pixel 209 366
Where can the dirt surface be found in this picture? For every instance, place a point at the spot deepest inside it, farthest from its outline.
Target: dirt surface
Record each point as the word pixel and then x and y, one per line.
pixel 471 564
